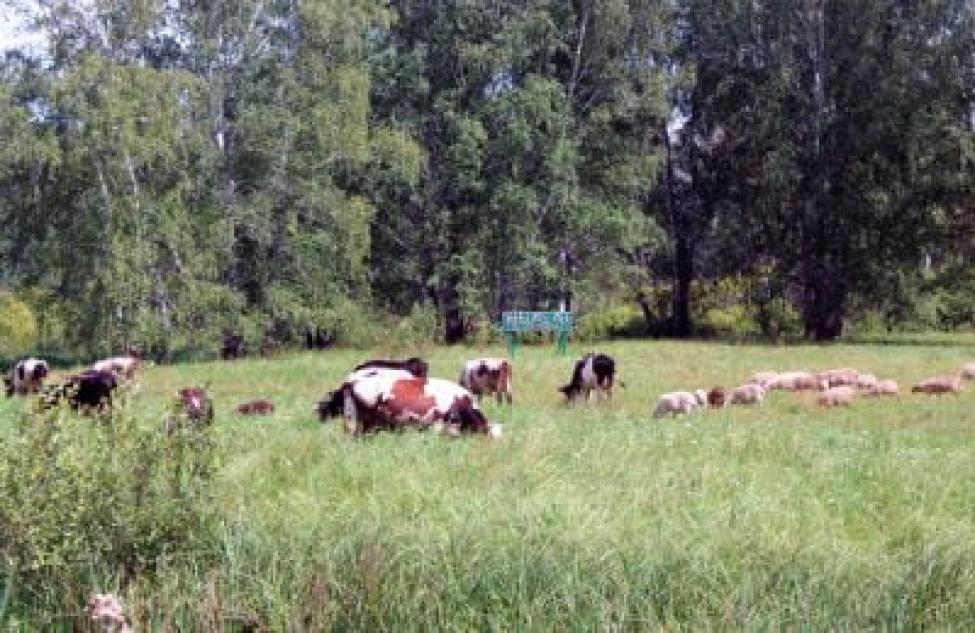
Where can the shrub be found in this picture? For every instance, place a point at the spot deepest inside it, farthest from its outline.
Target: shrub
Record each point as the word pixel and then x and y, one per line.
pixel 110 496
pixel 18 325
pixel 736 321
pixel 618 320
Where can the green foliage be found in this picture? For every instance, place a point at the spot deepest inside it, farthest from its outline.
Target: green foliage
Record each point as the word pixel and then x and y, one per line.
pixel 18 325
pixel 610 322
pixel 107 495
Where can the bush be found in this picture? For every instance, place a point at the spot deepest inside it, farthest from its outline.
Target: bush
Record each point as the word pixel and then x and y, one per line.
pixel 18 325
pixel 108 496
pixel 615 321
pixel 735 321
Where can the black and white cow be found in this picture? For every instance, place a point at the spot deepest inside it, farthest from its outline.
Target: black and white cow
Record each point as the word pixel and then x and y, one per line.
pixel 26 377
pixel 594 372
pixel 91 389
pixel 416 366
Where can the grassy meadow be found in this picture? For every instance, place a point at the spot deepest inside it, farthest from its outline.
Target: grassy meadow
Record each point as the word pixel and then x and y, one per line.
pixel 593 517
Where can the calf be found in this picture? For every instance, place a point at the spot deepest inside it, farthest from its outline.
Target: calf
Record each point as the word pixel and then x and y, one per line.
pixel 750 393
pixel 380 399
pixel 836 396
pixel 679 402
pixel 594 372
pixel 488 375
pixel 416 366
pixel 196 404
pixel 256 407
pixel 26 377
pixel 938 385
pixel 89 390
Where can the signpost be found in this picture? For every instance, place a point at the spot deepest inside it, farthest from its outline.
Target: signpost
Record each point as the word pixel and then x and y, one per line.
pixel 515 323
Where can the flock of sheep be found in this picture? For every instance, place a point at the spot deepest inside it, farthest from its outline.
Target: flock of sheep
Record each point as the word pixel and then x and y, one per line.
pixel 833 388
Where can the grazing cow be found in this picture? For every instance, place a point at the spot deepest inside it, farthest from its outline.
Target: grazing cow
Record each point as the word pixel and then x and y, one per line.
pixel 91 389
pixel 234 346
pixel 592 372
pixel 123 366
pixel 416 366
pixel 256 407
pixel 26 377
pixel 488 375
pixel 107 614
pixel 196 404
pixel 679 403
pixel 883 388
pixel 798 381
pixel 839 377
pixel 717 398
pixel 968 371
pixel 938 385
pixel 751 393
pixel 836 396
pixel 377 399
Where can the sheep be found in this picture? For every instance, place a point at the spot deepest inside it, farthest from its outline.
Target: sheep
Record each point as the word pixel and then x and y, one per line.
pixel 763 378
pixel 882 388
pixel 839 377
pixel 968 371
pixel 717 398
pixel 799 381
pixel 751 393
pixel 866 382
pixel 836 396
pixel 679 402
pixel 938 385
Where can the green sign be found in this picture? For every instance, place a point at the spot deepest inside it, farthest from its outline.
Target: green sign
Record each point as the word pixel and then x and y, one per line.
pixel 514 323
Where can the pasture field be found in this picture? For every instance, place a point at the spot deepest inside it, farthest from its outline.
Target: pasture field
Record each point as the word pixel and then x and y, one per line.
pixel 595 517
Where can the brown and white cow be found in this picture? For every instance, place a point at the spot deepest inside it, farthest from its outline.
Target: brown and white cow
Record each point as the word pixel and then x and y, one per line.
pixel 593 372
pixel 376 399
pixel 26 377
pixel 488 375
pixel 122 366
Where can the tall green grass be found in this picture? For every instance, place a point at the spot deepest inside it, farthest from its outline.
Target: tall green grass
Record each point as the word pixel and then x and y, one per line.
pixel 783 516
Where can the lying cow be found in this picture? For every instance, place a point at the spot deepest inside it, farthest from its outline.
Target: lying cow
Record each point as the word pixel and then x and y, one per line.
pixel 123 366
pixel 486 376
pixel 415 366
pixel 938 385
pixel 256 407
pixel 90 390
pixel 680 402
pixel 376 399
pixel 594 372
pixel 26 377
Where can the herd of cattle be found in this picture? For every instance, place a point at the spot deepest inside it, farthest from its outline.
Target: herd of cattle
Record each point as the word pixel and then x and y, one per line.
pixel 392 394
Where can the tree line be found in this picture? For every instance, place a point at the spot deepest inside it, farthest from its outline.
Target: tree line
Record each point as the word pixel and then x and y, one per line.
pixel 172 170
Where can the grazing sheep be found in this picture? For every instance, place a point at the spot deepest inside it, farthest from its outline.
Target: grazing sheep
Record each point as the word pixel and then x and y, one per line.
pixel 838 377
pixel 938 385
pixel 968 371
pixel 717 398
pixel 679 402
pixel 883 388
pixel 836 396
pixel 763 378
pixel 798 381
pixel 866 382
pixel 751 393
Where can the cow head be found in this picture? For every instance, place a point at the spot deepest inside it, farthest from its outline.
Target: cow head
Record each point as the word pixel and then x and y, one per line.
pixel 467 418
pixel 41 371
pixel 417 366
pixel 332 406
pixel 571 390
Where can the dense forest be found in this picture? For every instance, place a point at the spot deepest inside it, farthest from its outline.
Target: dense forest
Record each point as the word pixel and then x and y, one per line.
pixel 172 170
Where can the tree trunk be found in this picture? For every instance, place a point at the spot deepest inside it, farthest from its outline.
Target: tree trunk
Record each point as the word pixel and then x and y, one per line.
pixel 825 303
pixel 683 276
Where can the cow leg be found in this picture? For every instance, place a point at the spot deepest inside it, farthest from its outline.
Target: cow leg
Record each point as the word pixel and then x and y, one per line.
pixel 350 414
